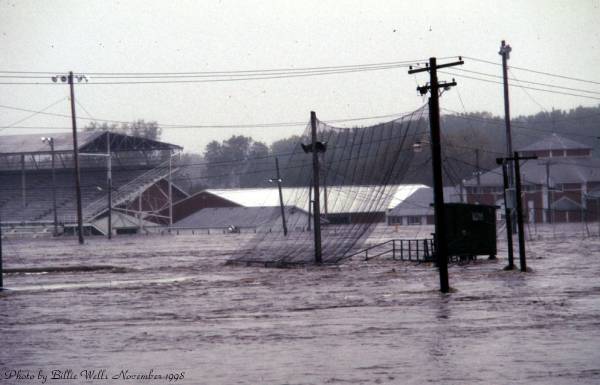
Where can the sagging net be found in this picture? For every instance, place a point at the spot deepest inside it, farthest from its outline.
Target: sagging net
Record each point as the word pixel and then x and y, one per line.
pixel 361 172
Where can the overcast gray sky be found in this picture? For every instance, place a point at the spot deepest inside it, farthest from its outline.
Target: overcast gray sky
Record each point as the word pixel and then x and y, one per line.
pixel 560 37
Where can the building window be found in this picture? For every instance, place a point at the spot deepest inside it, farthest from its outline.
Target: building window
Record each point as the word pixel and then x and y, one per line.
pixel 413 220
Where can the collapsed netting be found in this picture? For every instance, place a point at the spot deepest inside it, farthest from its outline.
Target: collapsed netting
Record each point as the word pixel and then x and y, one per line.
pixel 360 172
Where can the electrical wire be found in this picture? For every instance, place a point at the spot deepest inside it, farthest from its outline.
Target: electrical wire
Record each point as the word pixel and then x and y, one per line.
pixel 535 71
pixel 520 86
pixel 168 126
pixel 526 81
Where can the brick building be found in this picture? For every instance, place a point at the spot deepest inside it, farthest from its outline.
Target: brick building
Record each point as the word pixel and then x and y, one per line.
pixel 562 185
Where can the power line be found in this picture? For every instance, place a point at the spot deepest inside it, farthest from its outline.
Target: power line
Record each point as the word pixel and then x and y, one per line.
pixel 536 71
pixel 226 78
pixel 527 81
pixel 514 85
pixel 497 121
pixel 287 69
pixel 255 125
pixel 34 113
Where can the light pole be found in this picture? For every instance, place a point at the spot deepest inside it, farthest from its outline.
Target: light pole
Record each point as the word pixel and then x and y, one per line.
pixel 279 180
pixel 171 155
pixel 50 141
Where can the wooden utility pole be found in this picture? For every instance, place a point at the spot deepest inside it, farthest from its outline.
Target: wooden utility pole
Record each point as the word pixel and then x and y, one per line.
pixel 76 160
pixel 316 203
pixel 309 226
pixel 521 231
pixel 279 180
pixel 441 243
pixel 507 211
pixel 505 50
pixel 109 184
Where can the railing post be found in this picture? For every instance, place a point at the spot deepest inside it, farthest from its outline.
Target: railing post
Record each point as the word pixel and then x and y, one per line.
pixel 366 254
pixel 417 244
pixel 402 249
pixel 409 251
pixel 425 249
pixel 394 249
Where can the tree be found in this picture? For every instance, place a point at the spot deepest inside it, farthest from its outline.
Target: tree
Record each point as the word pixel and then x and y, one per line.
pixel 236 162
pixel 139 128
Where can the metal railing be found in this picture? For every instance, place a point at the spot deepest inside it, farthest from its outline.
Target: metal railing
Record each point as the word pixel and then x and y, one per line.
pixel 128 191
pixel 418 250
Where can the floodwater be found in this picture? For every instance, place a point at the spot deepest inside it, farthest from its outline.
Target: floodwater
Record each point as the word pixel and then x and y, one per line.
pixel 170 306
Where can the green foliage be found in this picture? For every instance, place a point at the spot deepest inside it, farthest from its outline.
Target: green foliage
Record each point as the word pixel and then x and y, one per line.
pixel 139 128
pixel 241 162
pixel 237 162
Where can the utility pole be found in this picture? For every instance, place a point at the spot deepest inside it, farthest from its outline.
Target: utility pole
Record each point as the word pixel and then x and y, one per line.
pixel 441 244
pixel 69 79
pixel 308 227
pixel 315 147
pixel 521 232
pixel 522 259
pixel 76 159
pixel 279 180
pixel 316 203
pixel 109 184
pixel 505 50
pixel 507 211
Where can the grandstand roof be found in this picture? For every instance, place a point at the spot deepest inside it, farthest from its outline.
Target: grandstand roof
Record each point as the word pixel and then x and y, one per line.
pixel 88 141
pixel 340 199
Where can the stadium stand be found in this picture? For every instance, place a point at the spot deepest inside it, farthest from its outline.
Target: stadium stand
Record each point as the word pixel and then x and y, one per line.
pixel 26 182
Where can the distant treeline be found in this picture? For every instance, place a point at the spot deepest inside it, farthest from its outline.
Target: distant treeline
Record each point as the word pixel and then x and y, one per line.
pixel 241 161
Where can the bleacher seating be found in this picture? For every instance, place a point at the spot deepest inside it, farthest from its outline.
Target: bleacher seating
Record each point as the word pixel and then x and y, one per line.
pixel 37 206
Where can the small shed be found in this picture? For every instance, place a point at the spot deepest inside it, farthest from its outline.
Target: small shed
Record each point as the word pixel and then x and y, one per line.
pixel 471 229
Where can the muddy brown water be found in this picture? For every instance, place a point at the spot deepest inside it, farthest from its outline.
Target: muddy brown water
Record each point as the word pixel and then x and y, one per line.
pixel 171 306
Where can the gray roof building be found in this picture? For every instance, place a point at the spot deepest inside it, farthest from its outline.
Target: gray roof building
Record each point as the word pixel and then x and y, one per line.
pixel 244 217
pixel 419 202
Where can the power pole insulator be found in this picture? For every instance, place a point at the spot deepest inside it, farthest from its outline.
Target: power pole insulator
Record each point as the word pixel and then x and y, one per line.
pixel 441 242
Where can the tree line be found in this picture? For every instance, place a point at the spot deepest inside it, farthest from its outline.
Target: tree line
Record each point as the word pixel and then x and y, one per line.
pixel 241 161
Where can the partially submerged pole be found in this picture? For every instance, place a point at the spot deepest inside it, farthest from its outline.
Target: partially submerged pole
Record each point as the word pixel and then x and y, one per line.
pixel 316 203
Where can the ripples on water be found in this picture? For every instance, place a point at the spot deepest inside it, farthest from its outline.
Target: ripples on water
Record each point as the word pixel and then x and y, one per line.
pixel 170 304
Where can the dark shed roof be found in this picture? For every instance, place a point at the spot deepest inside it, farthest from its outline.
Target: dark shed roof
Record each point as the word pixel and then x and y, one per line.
pixel 555 142
pixel 88 141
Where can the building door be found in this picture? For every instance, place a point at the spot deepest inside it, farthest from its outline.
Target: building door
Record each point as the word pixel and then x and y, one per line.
pixel 531 211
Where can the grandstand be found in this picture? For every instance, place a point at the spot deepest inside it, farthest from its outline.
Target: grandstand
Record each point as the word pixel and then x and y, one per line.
pixel 140 172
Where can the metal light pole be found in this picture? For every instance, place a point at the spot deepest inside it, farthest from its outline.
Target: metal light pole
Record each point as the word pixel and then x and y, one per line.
pixel 279 180
pixel 50 141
